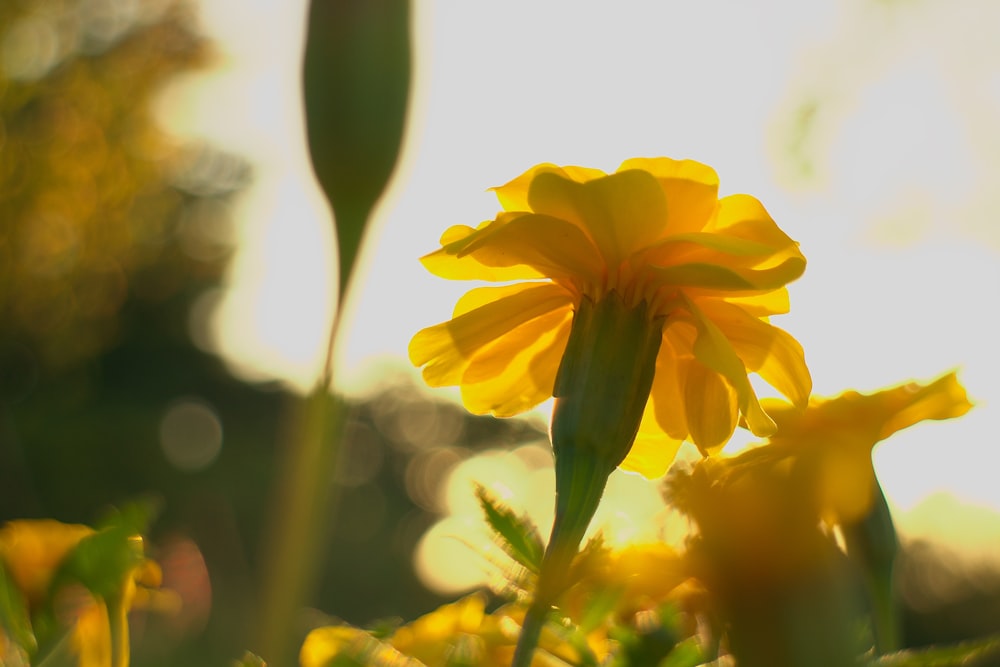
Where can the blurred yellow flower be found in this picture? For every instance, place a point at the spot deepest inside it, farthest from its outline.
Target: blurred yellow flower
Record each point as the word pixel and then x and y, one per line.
pixel 639 578
pixel 837 435
pixel 457 633
pixel 705 272
pixel 32 552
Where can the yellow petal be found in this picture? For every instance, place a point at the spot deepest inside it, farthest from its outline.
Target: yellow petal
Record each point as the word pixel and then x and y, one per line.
pixel 714 350
pixel 762 305
pixel 666 398
pixel 710 406
pixel 551 246
pixel 525 379
pixel 765 349
pixel 622 212
pixel 444 350
pixel 494 358
pixel 944 398
pixel 449 262
pixel 716 277
pixel 744 217
pixel 513 195
pixel 691 190
pixel 653 450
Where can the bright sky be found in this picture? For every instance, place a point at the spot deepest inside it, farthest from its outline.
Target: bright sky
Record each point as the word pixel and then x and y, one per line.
pixel 889 107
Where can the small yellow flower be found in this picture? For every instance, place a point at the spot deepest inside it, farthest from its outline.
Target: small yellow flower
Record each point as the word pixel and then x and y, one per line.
pixel 838 434
pixel 652 241
pixel 33 551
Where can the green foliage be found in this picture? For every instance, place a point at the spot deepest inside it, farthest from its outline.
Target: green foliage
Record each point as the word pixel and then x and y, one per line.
pixel 14 619
pixel 249 660
pixel 978 653
pixel 518 537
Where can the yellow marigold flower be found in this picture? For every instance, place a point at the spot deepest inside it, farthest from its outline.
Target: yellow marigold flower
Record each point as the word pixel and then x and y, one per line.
pixel 652 241
pixel 457 633
pixel 838 434
pixel 33 551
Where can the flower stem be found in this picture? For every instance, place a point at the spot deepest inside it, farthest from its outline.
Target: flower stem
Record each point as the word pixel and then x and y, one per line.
pixel 872 543
pixel 577 498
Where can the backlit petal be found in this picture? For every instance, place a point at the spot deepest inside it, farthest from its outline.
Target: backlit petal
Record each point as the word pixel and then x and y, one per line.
pixel 691 190
pixel 944 398
pixel 666 398
pixel 721 278
pixel 762 305
pixel 525 380
pixel 714 350
pixel 765 349
pixel 513 195
pixel 553 247
pixel 710 406
pixel 653 450
pixel 622 212
pixel 445 350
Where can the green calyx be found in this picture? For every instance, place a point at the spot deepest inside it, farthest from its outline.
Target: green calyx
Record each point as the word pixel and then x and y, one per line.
pixel 604 379
pixel 601 391
pixel 600 394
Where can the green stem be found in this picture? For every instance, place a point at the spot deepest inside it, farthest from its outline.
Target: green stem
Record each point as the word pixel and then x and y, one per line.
pixel 872 543
pixel 118 626
pixel 577 497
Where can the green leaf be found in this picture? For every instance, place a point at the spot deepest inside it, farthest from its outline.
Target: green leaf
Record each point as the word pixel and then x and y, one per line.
pixel 134 517
pixel 249 660
pixel 14 619
pixel 356 80
pixel 518 536
pixel 976 653
pixel 102 561
pixel 687 653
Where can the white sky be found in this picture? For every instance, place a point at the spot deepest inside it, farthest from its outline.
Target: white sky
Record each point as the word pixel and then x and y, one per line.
pixel 897 221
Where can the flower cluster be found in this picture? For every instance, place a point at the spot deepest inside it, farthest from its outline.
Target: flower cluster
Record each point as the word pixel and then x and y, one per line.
pixel 641 302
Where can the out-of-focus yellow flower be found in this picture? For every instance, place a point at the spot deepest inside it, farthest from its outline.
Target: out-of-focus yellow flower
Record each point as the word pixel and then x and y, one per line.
pixel 638 578
pixel 656 241
pixel 457 633
pixel 33 551
pixel 836 435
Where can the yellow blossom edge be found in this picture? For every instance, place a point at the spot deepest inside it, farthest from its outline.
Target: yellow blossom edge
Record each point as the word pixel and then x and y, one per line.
pixel 841 431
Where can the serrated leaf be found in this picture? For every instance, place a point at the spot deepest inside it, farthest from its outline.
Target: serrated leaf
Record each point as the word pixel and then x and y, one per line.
pixel 518 536
pixel 14 619
pixel 249 660
pixel 977 653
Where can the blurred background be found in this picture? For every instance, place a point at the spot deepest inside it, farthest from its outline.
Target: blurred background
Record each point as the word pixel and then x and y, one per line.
pixel 167 281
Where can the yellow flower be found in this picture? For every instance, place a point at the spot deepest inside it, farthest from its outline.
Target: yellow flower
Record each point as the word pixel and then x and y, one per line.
pixel 837 435
pixel 32 553
pixel 457 633
pixel 653 241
